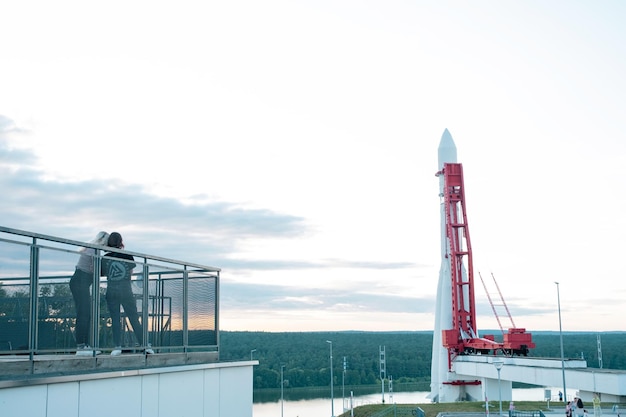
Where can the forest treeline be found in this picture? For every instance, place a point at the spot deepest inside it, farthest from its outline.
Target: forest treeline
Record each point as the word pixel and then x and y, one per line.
pixel 306 355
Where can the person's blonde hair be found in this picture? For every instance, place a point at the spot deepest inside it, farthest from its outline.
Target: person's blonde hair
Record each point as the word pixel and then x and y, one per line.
pixel 101 239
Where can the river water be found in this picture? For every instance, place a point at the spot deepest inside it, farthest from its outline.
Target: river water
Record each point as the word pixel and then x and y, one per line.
pixel 321 407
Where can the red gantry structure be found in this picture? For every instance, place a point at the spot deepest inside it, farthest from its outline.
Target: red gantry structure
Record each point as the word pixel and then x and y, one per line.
pixel 463 337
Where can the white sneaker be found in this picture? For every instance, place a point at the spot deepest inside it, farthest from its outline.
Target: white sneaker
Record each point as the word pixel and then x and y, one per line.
pixel 86 350
pixel 117 351
pixel 149 350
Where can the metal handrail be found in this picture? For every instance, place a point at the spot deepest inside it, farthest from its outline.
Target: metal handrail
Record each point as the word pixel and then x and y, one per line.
pixel 71 242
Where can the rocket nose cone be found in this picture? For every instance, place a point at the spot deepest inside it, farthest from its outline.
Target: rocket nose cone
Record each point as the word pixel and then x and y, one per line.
pixel 447 149
pixel 446 137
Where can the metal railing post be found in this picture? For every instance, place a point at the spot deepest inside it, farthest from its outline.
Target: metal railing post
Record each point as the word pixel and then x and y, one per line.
pixel 217 309
pixel 95 304
pixel 33 328
pixel 185 309
pixel 145 316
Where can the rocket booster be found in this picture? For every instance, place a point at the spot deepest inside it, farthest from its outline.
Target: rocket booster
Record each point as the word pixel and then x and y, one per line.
pixel 439 391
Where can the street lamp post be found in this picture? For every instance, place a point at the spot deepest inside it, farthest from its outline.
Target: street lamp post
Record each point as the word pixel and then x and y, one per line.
pixel 558 297
pixel 251 352
pixel 332 399
pixel 499 364
pixel 282 384
pixel 486 399
pixel 343 386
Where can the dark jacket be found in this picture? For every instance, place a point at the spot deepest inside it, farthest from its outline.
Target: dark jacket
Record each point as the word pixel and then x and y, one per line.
pixel 117 266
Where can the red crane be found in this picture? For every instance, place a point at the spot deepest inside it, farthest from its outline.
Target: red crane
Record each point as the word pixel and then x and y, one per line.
pixel 463 338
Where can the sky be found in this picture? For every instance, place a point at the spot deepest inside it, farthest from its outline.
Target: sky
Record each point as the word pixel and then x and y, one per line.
pixel 293 144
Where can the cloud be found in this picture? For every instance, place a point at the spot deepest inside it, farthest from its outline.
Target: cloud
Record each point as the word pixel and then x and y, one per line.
pixel 274 297
pixel 198 229
pixel 73 209
pixel 10 157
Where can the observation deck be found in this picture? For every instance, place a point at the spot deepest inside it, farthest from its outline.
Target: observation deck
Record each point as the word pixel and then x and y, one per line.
pixel 178 305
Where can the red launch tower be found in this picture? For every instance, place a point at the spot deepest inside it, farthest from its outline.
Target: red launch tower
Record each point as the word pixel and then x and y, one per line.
pixel 463 338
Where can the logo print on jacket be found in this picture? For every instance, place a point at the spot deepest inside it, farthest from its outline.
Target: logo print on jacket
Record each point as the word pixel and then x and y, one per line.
pixel 117 271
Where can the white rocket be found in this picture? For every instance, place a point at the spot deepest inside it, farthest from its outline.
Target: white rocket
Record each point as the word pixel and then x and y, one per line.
pixel 439 373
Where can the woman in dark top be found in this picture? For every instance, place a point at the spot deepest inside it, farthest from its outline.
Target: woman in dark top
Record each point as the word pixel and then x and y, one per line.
pixel 118 268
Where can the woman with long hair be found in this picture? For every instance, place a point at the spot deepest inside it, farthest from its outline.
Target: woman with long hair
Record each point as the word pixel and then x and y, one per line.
pixel 118 267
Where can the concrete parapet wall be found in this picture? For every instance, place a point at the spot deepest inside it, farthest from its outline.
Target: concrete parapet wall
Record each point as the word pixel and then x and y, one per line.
pixel 203 390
